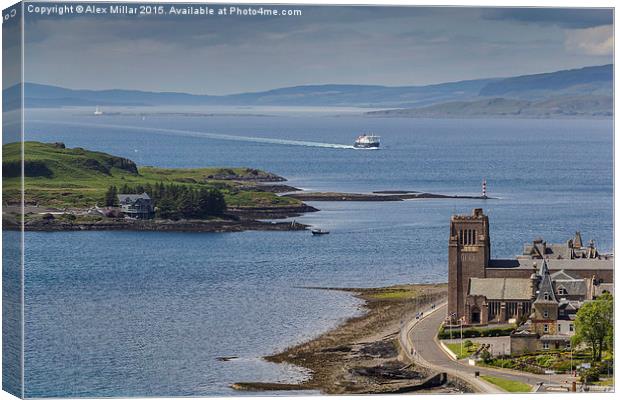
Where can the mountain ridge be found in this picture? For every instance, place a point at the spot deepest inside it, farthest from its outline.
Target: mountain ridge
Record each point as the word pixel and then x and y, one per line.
pixel 587 81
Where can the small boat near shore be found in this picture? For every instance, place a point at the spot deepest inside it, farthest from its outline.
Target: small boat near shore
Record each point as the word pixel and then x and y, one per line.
pixel 319 232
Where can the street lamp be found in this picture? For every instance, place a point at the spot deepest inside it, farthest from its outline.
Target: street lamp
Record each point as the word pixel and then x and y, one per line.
pixel 462 320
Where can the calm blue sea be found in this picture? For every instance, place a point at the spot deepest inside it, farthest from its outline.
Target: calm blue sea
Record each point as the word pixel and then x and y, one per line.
pixel 147 314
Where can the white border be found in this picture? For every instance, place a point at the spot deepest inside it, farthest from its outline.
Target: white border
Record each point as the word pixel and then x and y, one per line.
pixel 480 3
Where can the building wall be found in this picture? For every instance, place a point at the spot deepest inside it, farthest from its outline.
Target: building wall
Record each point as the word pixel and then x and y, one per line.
pixel 468 256
pixel 563 327
pixel 524 344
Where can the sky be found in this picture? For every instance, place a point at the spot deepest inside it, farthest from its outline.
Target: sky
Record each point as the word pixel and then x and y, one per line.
pixel 393 46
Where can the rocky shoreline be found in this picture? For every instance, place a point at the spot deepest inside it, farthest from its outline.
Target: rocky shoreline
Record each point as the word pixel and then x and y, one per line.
pixel 217 225
pixel 362 355
pixel 236 220
pixel 392 195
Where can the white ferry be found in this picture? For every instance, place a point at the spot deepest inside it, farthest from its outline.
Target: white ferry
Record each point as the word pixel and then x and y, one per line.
pixel 367 141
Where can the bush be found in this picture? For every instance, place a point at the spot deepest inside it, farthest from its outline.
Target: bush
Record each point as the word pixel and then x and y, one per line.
pixel 503 363
pixel 545 360
pixel 486 356
pixel 589 375
pixel 475 332
pixel 468 343
pixel 67 217
pixel 562 366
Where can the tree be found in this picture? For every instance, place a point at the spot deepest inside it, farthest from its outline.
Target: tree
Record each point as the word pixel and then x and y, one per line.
pixel 110 199
pixel 486 356
pixel 594 325
pixel 211 202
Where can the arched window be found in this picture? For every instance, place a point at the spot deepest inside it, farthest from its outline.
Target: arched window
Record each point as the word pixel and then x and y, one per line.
pixel 546 296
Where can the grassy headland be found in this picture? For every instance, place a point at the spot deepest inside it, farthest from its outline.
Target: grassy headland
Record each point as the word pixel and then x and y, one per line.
pixel 76 179
pixel 64 177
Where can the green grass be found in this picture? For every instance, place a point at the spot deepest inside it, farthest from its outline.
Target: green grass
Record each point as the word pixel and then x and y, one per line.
pixel 395 294
pixel 537 363
pixel 456 349
pixel 507 384
pixel 64 177
pixel 604 382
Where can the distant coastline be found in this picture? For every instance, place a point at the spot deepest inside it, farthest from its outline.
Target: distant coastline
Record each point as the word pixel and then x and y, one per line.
pixel 575 93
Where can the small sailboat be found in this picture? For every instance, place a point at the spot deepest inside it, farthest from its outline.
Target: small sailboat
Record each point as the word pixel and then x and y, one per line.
pixel 319 232
pixel 98 111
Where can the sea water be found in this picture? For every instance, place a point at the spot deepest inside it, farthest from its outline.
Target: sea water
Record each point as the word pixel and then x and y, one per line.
pixel 149 313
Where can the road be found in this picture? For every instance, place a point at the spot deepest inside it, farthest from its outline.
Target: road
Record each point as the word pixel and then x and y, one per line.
pixel 419 339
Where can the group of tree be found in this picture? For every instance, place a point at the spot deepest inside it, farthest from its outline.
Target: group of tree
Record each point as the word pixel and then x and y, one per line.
pixel 594 325
pixel 172 201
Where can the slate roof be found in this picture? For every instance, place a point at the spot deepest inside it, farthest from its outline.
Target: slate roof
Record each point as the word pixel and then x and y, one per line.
pixel 563 275
pixel 555 337
pixel 545 288
pixel 132 198
pixel 526 262
pixel 501 288
pixel 573 287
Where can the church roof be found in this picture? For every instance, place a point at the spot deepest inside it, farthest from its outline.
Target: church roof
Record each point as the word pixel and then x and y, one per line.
pixel 501 288
pixel 564 276
pixel 604 262
pixel 545 288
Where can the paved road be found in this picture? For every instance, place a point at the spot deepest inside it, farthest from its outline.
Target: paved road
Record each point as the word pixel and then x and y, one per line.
pixel 419 340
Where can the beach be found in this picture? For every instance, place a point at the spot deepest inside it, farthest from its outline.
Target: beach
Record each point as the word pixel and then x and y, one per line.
pixel 362 355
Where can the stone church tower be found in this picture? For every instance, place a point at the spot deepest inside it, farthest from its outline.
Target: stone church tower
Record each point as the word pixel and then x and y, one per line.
pixel 469 251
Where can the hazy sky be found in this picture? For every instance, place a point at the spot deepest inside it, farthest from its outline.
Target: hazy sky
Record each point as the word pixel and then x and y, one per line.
pixel 358 45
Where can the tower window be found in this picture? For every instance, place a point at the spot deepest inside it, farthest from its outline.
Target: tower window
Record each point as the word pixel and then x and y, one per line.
pixel 546 314
pixel 546 296
pixel 545 346
pixel 546 328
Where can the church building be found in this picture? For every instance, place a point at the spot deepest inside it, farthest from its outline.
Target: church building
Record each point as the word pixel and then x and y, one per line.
pixel 547 282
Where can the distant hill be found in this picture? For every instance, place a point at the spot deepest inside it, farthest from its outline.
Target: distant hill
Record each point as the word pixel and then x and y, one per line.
pixel 574 81
pixel 576 107
pixel 565 91
pixel 312 95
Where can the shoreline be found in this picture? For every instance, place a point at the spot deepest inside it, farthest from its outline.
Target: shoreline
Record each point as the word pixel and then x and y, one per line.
pixel 362 354
pixel 215 226
pixel 235 220
pixel 388 195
